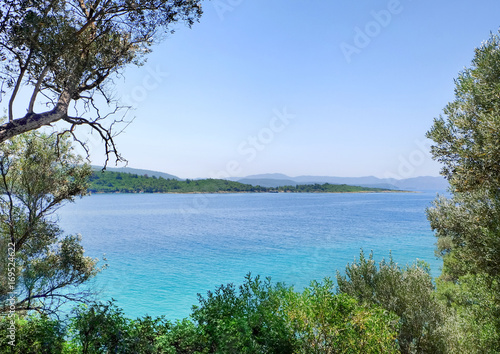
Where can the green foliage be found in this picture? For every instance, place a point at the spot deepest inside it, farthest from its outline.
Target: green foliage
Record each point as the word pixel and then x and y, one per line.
pixel 116 182
pixel 325 322
pixel 39 173
pixel 408 292
pixel 119 182
pixel 467 225
pixel 474 323
pixel 266 318
pixel 466 139
pixel 244 321
pixel 468 230
pixel 468 144
pixel 258 317
pixel 183 337
pixel 31 335
pixel 99 328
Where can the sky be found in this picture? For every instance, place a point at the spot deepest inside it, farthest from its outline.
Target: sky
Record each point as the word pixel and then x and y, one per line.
pixel 300 87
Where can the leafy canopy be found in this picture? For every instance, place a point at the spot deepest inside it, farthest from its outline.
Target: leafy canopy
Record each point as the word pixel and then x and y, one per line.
pixel 467 142
pixel 467 224
pixel 38 174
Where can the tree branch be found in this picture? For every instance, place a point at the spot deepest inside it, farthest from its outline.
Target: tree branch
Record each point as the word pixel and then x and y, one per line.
pixel 32 121
pixel 37 89
pixel 19 80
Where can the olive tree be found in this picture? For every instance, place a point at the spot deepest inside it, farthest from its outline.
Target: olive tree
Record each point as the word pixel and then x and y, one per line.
pixel 406 291
pixel 67 52
pixel 44 268
pixel 467 224
pixel 467 142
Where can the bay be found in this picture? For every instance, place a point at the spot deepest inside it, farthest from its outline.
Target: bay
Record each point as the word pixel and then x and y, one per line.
pixel 164 249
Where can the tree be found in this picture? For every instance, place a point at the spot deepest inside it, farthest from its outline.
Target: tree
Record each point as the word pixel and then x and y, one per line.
pixel 68 51
pixel 467 142
pixel 38 174
pixel 244 321
pixel 467 224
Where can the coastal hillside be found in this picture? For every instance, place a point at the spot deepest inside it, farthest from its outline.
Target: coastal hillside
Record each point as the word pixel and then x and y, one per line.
pixel 119 182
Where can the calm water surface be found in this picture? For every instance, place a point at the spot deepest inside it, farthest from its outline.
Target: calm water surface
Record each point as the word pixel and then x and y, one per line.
pixel 163 249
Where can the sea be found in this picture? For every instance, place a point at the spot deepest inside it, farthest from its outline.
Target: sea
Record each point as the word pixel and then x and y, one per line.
pixel 162 250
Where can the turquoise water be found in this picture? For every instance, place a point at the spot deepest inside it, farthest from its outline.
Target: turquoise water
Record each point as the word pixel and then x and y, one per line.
pixel 163 249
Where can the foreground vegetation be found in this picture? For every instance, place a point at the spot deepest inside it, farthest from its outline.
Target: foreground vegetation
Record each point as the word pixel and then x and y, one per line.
pixel 119 182
pixel 258 317
pixel 380 308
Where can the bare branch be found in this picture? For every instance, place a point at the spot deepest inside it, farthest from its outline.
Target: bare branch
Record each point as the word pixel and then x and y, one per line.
pixel 37 88
pixel 105 134
pixel 23 68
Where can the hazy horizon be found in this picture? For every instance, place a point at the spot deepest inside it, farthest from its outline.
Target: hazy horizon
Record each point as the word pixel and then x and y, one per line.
pixel 259 174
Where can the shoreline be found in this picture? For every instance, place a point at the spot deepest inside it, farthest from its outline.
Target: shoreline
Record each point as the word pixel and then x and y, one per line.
pixel 250 192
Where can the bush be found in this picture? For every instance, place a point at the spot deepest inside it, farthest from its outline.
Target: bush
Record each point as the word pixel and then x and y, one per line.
pixel 244 321
pixel 99 328
pixel 474 326
pixel 329 323
pixel 408 292
pixel 33 335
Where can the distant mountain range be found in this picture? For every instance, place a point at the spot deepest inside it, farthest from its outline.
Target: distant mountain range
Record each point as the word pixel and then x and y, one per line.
pixel 426 183
pixel 416 183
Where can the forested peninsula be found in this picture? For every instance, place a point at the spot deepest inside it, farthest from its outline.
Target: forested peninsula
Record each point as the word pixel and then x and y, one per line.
pixel 120 182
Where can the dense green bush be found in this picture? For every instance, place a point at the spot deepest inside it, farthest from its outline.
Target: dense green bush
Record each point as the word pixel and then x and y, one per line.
pixel 102 328
pixel 245 321
pixel 325 322
pixel 31 335
pixel 408 292
pixel 474 324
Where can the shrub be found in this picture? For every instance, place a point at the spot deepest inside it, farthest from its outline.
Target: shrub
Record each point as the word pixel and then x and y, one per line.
pixel 244 321
pixel 326 322
pixel 408 292
pixel 33 335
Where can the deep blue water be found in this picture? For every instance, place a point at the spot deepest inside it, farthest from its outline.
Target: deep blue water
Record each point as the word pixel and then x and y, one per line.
pixel 163 249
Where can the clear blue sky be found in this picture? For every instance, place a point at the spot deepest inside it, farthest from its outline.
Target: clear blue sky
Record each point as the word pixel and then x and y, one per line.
pixel 363 81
